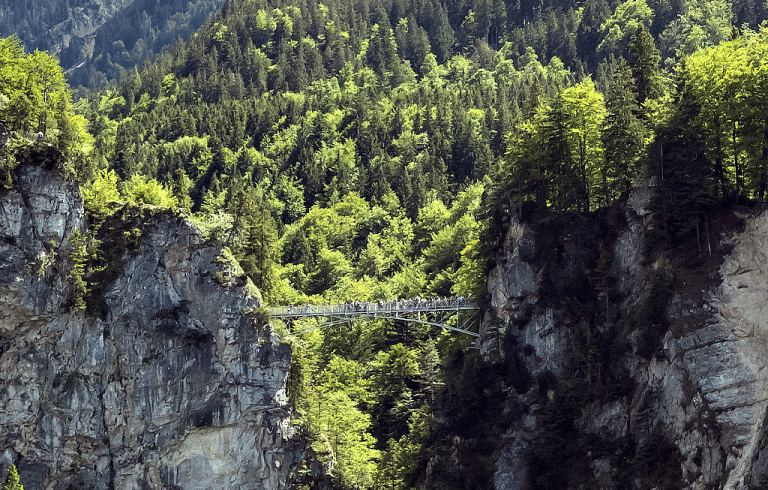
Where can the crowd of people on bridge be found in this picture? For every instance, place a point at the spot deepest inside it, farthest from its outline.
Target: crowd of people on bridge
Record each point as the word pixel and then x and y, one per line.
pixel 383 306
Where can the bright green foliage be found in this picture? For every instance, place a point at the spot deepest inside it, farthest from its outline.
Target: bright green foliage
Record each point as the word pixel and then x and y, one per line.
pixel 100 194
pixel 442 257
pixel 330 268
pixel 12 479
pixel 139 190
pixel 432 218
pixel 343 436
pixel 727 84
pixel 354 250
pixel 585 114
pixel 388 251
pixel 343 374
pixel 618 30
pixel 34 98
pixel 304 366
pixel 450 232
pixel 34 86
pixel 215 226
pixel 556 158
pixel 576 150
pixel 393 368
pixel 470 279
pixel 328 401
pixel 331 396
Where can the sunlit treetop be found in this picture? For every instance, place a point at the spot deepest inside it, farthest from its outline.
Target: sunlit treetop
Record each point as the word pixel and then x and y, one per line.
pixel 36 112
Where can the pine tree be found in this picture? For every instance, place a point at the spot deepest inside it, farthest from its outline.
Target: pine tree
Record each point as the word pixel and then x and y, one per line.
pixel 180 188
pixel 644 60
pixel 622 133
pixel 689 181
pixel 258 253
pixel 12 479
pixel 563 183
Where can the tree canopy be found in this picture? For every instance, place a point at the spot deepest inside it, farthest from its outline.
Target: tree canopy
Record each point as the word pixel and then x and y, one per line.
pixel 36 107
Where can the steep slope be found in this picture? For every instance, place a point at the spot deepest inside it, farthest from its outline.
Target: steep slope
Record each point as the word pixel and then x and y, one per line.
pixel 59 26
pixel 175 386
pixel 690 414
pixel 97 40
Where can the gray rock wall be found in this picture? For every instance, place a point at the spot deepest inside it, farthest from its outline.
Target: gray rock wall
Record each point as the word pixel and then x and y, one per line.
pixel 175 388
pixel 709 389
pixel 36 219
pixel 77 24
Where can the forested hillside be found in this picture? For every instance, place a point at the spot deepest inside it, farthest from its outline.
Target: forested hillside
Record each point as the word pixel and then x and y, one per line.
pixel 342 152
pixel 98 42
pixel 377 150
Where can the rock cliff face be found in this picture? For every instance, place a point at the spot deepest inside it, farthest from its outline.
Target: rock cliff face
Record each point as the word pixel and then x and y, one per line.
pixel 175 387
pixel 97 35
pixel 73 27
pixel 706 388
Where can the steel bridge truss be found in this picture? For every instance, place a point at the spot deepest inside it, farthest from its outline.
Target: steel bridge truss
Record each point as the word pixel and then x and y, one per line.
pixel 435 312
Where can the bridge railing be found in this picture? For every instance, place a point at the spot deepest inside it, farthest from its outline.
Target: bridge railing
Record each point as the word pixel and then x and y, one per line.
pixel 369 308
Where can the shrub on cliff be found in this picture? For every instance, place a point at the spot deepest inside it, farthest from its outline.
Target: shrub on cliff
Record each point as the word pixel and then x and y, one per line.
pixel 100 195
pixel 139 190
pixel 12 479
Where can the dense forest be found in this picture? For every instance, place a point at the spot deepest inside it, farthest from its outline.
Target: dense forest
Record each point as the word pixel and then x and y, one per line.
pixel 377 150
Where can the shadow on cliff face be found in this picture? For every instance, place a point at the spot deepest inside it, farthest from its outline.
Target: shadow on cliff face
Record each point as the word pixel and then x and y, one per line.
pixel 118 238
pixel 607 332
pixel 485 404
pixel 693 254
pixel 569 249
pixel 482 399
pixel 472 412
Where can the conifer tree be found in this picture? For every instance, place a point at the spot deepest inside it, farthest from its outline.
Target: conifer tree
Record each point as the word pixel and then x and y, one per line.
pixel 689 180
pixel 563 185
pixel 180 188
pixel 12 479
pixel 644 59
pixel 622 134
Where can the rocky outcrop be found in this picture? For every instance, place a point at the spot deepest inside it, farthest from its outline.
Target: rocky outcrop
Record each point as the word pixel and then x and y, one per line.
pixel 726 359
pixel 707 388
pixel 175 387
pixel 514 287
pixel 72 29
pixel 102 35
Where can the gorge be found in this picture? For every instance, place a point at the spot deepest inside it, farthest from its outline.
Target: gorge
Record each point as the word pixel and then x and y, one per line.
pixel 176 384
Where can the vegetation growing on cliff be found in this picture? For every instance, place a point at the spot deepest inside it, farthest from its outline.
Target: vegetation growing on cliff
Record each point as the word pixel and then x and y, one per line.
pixel 12 479
pixel 376 151
pixel 37 117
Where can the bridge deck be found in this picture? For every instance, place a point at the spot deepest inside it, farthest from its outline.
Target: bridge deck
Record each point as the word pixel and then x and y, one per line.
pixel 380 308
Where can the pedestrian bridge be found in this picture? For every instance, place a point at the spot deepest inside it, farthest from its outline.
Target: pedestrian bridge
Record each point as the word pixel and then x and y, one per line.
pixel 429 311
